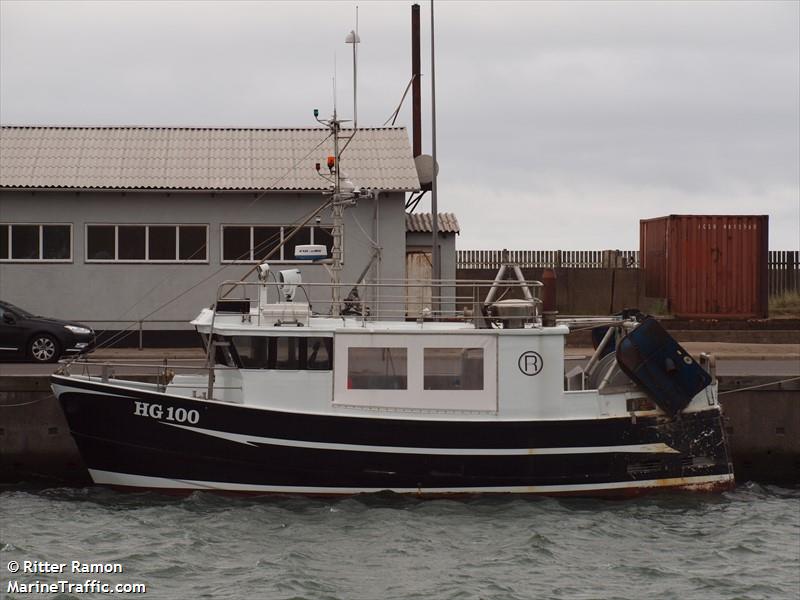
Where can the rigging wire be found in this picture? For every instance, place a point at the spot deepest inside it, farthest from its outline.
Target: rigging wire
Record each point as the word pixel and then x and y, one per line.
pixel 289 170
pixel 393 116
pixel 755 387
pixel 128 330
pixel 372 242
pixel 121 334
pixel 413 202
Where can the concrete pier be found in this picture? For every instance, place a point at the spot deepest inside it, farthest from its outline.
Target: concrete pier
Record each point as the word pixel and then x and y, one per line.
pixel 35 442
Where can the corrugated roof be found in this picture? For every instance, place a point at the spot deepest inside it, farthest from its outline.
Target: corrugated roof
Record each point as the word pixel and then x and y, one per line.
pixel 423 223
pixel 183 158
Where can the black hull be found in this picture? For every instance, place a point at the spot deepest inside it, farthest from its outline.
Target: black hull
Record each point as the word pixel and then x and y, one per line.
pixel 234 448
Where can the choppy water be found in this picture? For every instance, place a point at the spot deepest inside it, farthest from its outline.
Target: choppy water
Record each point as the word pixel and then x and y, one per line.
pixel 743 544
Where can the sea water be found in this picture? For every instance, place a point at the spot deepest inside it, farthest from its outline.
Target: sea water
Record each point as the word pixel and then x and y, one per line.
pixel 742 544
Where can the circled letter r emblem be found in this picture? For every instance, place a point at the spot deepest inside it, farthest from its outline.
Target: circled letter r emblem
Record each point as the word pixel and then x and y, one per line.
pixel 530 363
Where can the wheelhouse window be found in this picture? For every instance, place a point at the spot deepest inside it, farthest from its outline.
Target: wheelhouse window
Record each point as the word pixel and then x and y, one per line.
pixel 453 369
pixel 147 243
pixel 319 354
pixel 377 368
pixel 414 370
pixel 27 242
pixel 283 353
pixel 253 244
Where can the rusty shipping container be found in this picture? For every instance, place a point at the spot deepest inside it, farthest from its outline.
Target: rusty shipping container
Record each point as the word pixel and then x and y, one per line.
pixel 707 266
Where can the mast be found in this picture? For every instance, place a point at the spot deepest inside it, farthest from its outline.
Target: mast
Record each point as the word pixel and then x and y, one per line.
pixel 341 196
pixel 338 223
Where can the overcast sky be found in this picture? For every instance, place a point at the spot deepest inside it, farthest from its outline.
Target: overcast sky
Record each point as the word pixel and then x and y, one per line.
pixel 560 124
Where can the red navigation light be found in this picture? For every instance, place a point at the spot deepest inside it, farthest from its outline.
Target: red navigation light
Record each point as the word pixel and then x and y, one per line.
pixel 331 162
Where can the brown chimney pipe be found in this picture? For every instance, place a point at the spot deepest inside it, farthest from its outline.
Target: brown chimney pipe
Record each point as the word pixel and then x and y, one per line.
pixel 416 88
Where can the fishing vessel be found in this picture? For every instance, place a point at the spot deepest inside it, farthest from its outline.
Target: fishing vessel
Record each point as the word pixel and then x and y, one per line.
pixel 334 388
pixel 309 390
pixel 295 402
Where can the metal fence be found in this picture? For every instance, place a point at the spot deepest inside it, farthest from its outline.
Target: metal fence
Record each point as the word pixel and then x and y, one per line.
pixel 783 265
pixel 542 259
pixel 784 272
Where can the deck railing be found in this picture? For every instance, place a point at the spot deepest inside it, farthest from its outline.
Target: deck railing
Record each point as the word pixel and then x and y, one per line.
pixel 400 299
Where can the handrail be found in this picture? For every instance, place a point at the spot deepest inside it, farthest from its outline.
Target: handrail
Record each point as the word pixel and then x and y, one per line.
pixel 163 373
pixel 398 299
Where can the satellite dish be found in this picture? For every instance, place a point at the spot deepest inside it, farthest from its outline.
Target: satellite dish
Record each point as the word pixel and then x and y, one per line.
pixel 424 164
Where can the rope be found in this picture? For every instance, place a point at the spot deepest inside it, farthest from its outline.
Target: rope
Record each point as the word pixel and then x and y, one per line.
pixel 755 387
pixel 27 403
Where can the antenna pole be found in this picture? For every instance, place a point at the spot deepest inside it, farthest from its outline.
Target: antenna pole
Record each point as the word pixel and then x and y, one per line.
pixel 340 200
pixel 435 259
pixel 338 222
pixel 356 40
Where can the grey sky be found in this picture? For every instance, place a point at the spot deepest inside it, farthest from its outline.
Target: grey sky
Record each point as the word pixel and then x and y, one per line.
pixel 560 124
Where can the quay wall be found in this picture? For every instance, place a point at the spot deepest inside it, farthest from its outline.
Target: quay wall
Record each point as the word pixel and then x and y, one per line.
pixel 763 428
pixel 35 442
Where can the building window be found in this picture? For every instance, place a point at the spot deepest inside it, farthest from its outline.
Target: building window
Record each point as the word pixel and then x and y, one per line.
pixel 453 369
pixel 131 242
pixel 162 243
pixel 26 242
pixel 377 368
pixel 147 243
pixel 253 244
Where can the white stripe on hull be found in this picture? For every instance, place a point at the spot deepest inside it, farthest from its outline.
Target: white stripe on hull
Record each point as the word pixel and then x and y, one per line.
pixel 142 481
pixel 252 440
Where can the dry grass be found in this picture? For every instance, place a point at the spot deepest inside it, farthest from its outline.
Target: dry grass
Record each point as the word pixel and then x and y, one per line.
pixel 787 305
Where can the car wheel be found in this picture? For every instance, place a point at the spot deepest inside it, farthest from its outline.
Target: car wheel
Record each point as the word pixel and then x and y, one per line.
pixel 44 348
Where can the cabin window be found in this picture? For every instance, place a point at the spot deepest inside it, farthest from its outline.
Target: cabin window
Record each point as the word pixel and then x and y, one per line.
pixel 252 350
pixel 33 242
pixel 453 369
pixel 284 353
pixel 255 243
pixel 319 354
pixel 147 243
pixel 222 351
pixel 377 368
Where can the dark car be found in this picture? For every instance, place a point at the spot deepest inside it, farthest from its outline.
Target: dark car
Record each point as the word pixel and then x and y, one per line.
pixel 40 339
